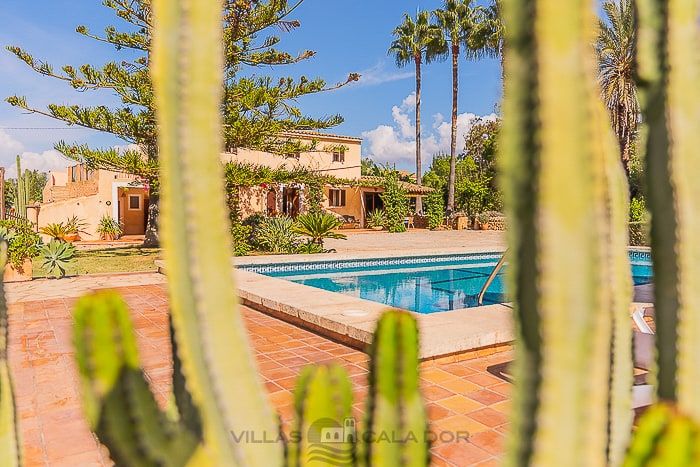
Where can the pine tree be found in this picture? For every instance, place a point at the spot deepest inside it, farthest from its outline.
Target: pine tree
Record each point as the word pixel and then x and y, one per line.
pixel 255 110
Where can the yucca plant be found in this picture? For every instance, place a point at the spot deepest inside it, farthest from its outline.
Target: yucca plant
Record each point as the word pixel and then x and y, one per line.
pixel 318 226
pixel 56 256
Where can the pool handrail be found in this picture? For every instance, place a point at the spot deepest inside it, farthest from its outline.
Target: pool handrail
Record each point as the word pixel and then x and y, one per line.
pixel 499 265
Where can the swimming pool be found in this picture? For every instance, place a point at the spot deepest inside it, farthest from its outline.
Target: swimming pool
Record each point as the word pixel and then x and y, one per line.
pixel 425 284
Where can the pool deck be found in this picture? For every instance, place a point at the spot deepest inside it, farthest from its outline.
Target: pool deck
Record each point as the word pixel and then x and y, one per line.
pixel 469 395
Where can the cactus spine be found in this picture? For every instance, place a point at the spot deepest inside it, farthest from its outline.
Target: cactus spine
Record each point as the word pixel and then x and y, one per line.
pixel 10 446
pixel 565 194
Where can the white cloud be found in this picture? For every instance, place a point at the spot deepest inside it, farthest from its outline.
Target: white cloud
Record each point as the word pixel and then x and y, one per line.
pixel 43 162
pixel 396 144
pixel 378 75
pixel 9 147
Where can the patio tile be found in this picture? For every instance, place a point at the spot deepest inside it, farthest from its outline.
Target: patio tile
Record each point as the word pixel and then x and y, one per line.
pixel 489 440
pixel 56 433
pixel 489 417
pixel 461 454
pixel 460 404
pixel 485 396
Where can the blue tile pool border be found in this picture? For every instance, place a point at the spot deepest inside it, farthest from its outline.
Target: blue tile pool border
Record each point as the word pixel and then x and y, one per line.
pixel 342 264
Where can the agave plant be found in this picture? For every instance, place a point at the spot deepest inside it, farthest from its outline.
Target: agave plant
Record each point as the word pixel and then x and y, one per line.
pixel 376 218
pixel 277 235
pixel 56 256
pixel 318 226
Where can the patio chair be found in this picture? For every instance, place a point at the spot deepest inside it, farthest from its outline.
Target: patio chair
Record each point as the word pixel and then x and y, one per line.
pixel 408 222
pixel 350 223
pixel 642 394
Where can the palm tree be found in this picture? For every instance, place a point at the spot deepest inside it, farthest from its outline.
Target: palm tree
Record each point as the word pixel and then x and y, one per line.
pixel 458 22
pixel 615 48
pixel 490 32
pixel 415 40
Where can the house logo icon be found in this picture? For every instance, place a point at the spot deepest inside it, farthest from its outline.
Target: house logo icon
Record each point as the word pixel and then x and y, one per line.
pixel 332 443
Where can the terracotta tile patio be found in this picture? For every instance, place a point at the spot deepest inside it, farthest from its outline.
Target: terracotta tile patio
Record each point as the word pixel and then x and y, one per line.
pixel 461 396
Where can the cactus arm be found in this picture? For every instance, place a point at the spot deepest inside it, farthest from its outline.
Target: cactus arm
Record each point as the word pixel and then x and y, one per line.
pixel 519 137
pixel 664 438
pixel 565 201
pixel 119 404
pixel 668 68
pixel 10 452
pixel 186 410
pixel 212 344
pixel 323 394
pixel 396 408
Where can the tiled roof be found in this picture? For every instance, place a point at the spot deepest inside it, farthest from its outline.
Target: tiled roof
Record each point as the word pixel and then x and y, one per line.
pixel 313 133
pixel 411 188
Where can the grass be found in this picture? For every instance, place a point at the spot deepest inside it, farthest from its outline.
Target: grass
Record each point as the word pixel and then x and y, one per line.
pixel 120 259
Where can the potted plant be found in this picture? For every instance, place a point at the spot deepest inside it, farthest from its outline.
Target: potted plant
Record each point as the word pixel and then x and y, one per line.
pixel 484 218
pixel 74 227
pixel 376 220
pixel 108 228
pixel 55 230
pixel 22 246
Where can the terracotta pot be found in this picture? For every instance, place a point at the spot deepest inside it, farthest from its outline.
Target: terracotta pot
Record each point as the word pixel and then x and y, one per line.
pixel 71 237
pixel 107 237
pixel 377 228
pixel 21 274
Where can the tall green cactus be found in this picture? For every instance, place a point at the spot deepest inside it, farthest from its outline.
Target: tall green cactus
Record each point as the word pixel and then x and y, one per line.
pixel 21 196
pixel 396 430
pixel 566 199
pixel 668 68
pixel 10 445
pixel 395 406
pixel 323 404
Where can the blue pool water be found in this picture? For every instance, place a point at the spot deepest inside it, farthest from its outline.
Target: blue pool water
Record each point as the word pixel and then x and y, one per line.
pixel 422 284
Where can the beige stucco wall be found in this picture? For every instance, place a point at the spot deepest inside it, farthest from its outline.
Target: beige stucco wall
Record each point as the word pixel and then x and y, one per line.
pixel 320 159
pixel 354 204
pixel 87 208
pixel 252 200
pixel 91 199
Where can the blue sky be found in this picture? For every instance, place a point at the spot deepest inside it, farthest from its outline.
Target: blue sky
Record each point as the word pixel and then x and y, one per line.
pixel 348 36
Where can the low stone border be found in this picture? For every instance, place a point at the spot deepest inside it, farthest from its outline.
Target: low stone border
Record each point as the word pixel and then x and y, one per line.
pixel 352 320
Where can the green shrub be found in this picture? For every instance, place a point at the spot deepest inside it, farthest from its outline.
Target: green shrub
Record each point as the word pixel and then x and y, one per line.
pixel 241 235
pixel 277 235
pixel 376 218
pixel 638 210
pixel 395 202
pixel 638 234
pixel 309 247
pixel 254 221
pixel 23 242
pixel 318 226
pixel 434 209
pixel 109 226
